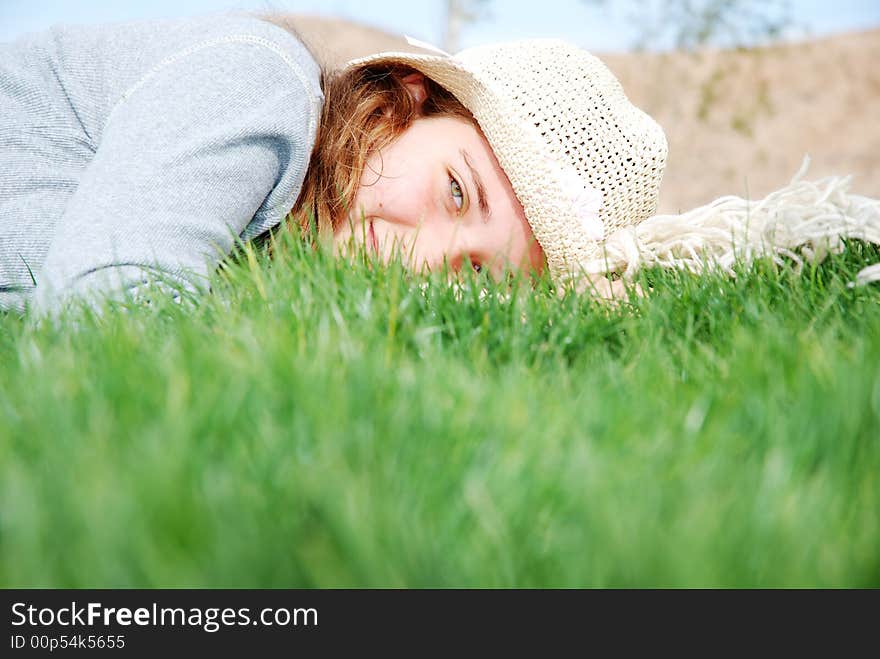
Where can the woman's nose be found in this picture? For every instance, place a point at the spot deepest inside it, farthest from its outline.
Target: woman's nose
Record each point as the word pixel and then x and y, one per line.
pixel 450 246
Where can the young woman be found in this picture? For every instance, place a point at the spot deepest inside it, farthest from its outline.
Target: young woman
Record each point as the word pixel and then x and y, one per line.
pixel 146 150
pixel 149 148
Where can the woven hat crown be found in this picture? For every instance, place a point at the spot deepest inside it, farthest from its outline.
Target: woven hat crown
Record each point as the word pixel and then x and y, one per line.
pixel 581 158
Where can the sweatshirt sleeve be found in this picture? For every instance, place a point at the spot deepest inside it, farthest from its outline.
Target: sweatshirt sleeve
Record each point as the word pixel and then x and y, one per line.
pixel 209 144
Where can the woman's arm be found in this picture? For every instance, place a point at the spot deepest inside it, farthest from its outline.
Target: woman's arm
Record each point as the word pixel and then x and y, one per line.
pixel 203 143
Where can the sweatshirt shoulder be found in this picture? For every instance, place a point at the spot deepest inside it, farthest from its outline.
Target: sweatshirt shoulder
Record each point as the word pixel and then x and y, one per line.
pixel 272 41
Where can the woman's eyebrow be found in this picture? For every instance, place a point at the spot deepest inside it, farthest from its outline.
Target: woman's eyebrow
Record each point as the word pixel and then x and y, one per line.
pixel 485 211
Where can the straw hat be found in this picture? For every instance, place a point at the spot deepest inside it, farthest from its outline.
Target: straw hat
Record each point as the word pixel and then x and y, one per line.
pixel 582 159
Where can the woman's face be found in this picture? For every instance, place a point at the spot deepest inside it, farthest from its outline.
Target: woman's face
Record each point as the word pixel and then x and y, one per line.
pixel 438 193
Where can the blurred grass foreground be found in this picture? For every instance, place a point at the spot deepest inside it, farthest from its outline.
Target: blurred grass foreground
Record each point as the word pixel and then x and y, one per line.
pixel 312 424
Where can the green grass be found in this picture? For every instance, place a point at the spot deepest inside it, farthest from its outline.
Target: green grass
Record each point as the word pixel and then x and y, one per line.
pixel 310 424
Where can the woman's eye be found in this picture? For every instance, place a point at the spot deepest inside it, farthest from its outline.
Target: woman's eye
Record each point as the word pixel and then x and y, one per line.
pixel 457 194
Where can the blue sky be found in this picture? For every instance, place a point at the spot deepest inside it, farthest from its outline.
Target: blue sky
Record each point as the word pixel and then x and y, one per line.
pixel 601 28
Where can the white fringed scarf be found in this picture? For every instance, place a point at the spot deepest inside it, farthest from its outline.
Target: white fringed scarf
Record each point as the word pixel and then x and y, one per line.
pixel 803 221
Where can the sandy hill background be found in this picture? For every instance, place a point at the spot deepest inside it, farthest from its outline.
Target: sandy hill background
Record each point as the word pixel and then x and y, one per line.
pixel 738 122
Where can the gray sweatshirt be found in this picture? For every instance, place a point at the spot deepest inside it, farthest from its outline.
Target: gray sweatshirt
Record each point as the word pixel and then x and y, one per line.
pixel 144 149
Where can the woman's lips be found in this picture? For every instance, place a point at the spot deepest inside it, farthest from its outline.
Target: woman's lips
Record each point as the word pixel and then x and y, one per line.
pixel 373 242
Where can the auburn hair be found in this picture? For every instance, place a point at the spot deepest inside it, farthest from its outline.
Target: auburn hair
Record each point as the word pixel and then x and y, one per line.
pixel 365 109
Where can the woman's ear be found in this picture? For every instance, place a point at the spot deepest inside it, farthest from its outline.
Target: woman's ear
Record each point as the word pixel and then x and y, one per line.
pixel 415 85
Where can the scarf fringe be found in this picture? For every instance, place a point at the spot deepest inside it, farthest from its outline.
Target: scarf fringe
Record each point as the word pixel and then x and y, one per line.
pixel 802 222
